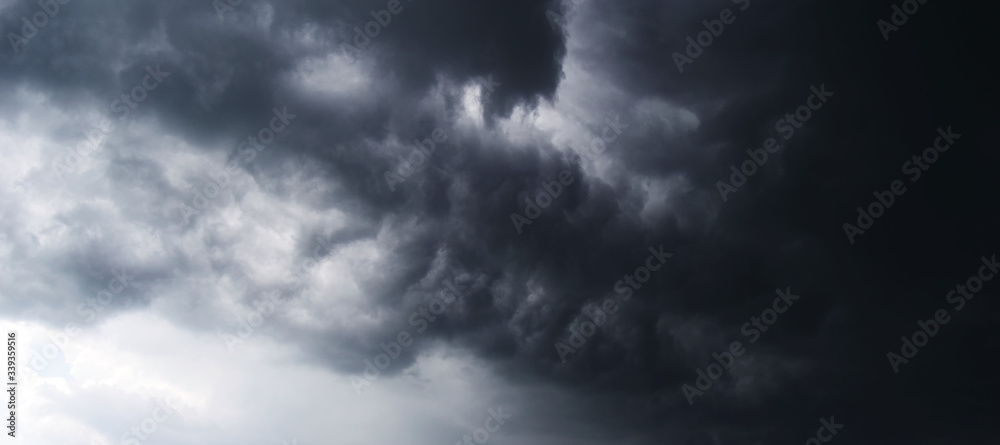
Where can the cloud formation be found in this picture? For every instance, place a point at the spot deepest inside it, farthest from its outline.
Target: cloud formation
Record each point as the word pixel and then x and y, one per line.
pixel 286 190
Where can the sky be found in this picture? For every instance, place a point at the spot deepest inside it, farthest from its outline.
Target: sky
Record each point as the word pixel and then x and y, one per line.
pixel 722 222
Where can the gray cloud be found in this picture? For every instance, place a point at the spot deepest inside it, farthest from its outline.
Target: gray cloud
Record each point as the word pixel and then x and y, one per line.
pixel 386 250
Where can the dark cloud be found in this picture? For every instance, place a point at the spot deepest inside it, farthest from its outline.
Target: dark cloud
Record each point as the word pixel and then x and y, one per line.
pixel 656 185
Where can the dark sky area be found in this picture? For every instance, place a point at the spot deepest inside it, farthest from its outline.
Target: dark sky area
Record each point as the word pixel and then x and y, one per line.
pixel 567 210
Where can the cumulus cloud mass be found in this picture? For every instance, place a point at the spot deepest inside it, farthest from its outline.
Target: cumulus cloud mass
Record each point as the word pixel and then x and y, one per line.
pixel 531 222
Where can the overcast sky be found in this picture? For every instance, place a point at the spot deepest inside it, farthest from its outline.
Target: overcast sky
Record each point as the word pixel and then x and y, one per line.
pixel 724 222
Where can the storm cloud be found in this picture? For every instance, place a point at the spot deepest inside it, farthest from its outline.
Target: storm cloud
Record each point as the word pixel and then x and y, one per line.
pixel 380 221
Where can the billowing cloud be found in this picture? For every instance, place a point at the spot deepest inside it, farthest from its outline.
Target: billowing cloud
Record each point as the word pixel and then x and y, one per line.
pixel 382 222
